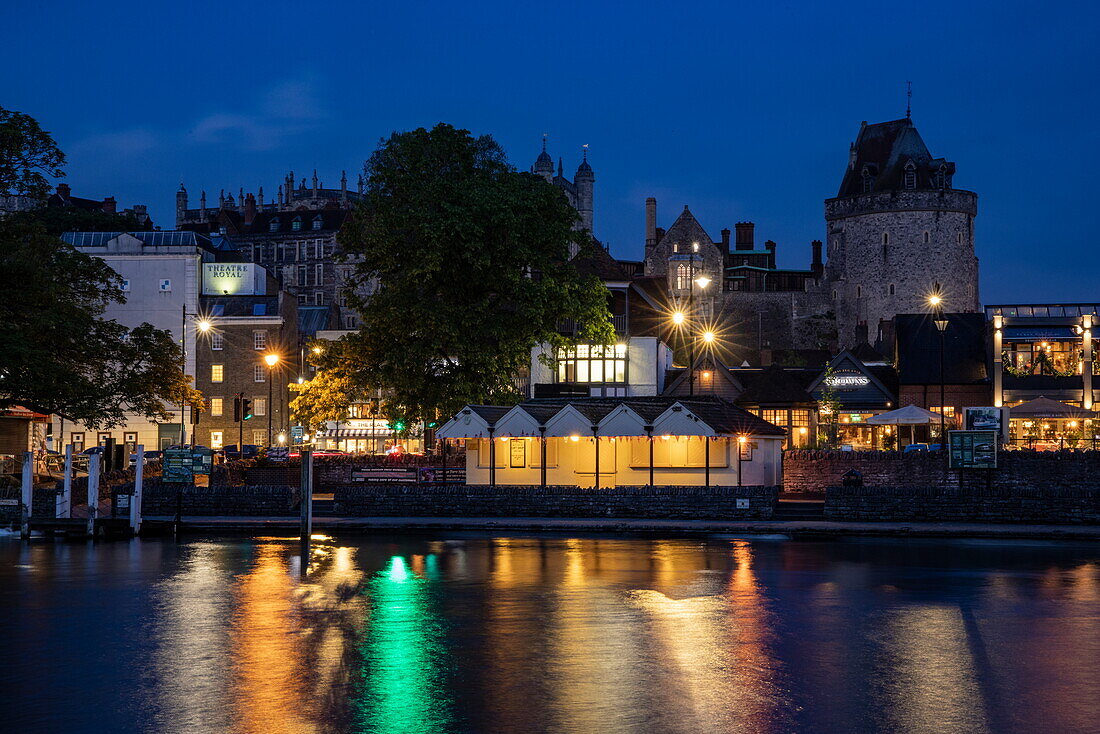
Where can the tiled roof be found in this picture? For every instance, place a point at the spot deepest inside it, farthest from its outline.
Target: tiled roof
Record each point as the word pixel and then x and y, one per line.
pixel 884 148
pixel 918 349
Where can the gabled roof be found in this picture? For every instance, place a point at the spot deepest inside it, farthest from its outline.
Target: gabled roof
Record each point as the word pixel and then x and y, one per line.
pixel 686 230
pixel 599 262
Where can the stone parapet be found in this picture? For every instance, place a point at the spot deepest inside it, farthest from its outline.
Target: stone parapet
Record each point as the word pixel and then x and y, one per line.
pixel 970 502
pixel 952 200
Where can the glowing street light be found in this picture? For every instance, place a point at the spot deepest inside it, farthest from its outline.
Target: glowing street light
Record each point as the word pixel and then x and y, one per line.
pixel 205 326
pixel 708 337
pixel 272 359
pixel 934 300
pixel 678 318
pixel 702 281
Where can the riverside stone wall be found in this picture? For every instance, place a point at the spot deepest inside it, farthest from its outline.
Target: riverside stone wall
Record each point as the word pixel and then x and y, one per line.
pixel 219 500
pixel 689 503
pixel 970 503
pixel 811 471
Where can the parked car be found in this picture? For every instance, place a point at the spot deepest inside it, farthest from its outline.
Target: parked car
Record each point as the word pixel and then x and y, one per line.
pixel 147 456
pixel 320 453
pixel 915 447
pixel 251 451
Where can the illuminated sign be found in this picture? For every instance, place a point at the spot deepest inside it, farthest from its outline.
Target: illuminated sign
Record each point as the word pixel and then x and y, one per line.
pixel 231 279
pixel 847 380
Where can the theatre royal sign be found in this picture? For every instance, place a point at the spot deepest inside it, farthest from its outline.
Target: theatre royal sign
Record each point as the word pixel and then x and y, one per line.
pixel 229 279
pixel 847 380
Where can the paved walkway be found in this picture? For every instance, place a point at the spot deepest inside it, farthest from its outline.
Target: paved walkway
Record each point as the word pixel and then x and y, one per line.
pixel 658 527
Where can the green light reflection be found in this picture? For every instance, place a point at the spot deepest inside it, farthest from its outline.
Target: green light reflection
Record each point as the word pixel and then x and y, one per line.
pixel 403 691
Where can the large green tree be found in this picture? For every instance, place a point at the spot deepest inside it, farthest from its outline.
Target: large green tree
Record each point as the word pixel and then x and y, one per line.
pixel 28 156
pixel 468 266
pixel 57 352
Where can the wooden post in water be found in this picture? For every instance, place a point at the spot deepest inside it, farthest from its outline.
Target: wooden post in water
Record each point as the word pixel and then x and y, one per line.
pixel 64 504
pixel 306 527
pixel 27 496
pixel 706 455
pixel 93 490
pixel 135 500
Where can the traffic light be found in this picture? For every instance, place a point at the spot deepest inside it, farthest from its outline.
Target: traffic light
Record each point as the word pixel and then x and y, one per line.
pixel 396 426
pixel 236 408
pixel 246 409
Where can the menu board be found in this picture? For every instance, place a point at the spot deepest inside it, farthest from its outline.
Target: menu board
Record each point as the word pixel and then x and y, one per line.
pixel 973 449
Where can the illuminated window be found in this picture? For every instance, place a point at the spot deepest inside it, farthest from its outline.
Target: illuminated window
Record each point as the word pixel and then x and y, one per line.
pixel 259 438
pixel 259 406
pixel 259 339
pixel 216 372
pixel 216 406
pixel 949 413
pixel 592 364
pixel 683 277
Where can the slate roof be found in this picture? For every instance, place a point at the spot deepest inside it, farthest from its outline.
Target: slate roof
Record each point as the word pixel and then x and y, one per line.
pixel 312 319
pixel 490 413
pixel 242 305
pixel 918 349
pixel 774 385
pixel 884 148
pixel 600 263
pixel 721 415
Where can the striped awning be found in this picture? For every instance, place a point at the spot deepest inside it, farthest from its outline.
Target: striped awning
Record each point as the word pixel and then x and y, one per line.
pixel 354 433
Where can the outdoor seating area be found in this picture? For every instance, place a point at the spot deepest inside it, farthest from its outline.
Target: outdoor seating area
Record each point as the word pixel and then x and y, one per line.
pixel 1043 424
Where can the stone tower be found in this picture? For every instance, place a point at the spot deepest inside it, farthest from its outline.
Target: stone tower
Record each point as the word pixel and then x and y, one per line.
pixel 580 191
pixel 897 230
pixel 181 204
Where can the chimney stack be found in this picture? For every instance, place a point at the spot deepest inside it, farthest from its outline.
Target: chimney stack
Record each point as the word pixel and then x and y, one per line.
pixel 249 209
pixel 650 223
pixel 744 239
pixel 109 205
pixel 726 240
pixel 816 266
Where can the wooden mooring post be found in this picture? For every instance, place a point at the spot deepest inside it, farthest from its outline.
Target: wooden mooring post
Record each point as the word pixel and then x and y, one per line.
pixel 135 500
pixel 64 502
pixel 306 525
pixel 27 495
pixel 93 491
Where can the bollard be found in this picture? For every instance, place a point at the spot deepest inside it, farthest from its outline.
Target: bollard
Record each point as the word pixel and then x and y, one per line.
pixel 27 501
pixel 135 501
pixel 64 503
pixel 93 491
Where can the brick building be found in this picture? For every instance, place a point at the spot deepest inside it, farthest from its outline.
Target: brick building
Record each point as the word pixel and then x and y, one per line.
pixel 230 362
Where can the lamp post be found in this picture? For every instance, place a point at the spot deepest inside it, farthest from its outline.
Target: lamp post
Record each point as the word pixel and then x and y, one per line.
pixel 702 281
pixel 740 444
pixel 271 359
pixel 204 326
pixel 940 320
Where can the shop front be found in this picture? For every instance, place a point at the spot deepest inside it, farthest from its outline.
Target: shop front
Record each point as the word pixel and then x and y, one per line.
pixel 849 392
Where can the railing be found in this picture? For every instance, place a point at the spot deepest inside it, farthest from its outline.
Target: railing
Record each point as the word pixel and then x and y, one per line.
pixel 570 326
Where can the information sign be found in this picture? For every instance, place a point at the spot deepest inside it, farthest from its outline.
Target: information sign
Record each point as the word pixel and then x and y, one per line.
pixel 181 465
pixel 973 449
pixel 277 453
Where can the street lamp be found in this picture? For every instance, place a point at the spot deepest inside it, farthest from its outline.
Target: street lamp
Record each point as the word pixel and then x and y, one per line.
pixel 272 359
pixel 702 281
pixel 740 446
pixel 940 320
pixel 203 325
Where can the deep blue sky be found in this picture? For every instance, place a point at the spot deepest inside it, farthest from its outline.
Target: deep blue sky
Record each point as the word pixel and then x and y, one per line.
pixel 742 110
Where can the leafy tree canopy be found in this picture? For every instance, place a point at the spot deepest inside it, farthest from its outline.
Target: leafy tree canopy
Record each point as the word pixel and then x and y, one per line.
pixel 467 264
pixel 329 394
pixel 27 156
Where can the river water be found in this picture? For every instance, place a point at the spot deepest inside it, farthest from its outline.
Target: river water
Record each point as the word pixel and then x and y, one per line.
pixel 480 633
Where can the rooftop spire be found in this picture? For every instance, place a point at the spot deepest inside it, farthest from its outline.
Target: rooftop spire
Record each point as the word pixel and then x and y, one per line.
pixel 908 100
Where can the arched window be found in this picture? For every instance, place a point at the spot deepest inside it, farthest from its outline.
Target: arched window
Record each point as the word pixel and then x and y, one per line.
pixel 868 180
pixel 941 177
pixel 926 236
pixel 910 176
pixel 891 289
pixel 683 277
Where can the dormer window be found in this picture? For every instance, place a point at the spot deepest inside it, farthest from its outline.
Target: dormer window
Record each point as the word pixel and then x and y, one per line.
pixel 274 225
pixel 868 180
pixel 296 224
pixel 910 176
pixel 317 222
pixel 941 177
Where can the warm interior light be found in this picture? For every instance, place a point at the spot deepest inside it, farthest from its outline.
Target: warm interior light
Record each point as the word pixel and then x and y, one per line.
pixel 802 430
pixel 706 374
pixel 574 438
pixel 741 439
pixel 271 359
pixel 708 336
pixel 678 317
pixel 666 437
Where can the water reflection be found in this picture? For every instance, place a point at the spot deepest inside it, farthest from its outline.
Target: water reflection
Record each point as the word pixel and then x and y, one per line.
pixel 425 635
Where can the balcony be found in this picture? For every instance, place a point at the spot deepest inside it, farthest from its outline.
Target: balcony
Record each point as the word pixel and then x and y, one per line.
pixel 569 327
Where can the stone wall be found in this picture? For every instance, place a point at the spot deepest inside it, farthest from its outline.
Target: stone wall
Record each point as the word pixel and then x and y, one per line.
pixel 43 504
pixel 243 501
pixel 1036 504
pixel 806 470
pixel 695 503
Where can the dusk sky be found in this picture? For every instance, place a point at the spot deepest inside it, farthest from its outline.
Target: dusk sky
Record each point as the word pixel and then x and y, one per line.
pixel 742 111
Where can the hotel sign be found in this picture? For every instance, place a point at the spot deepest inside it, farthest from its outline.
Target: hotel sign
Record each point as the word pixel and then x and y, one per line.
pixel 847 380
pixel 229 279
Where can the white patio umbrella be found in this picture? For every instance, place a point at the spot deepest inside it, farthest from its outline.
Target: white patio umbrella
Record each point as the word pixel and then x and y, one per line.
pixel 910 415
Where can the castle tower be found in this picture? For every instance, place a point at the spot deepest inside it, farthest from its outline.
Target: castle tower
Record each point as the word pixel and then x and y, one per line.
pixel 585 181
pixel 181 205
pixel 896 228
pixel 544 164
